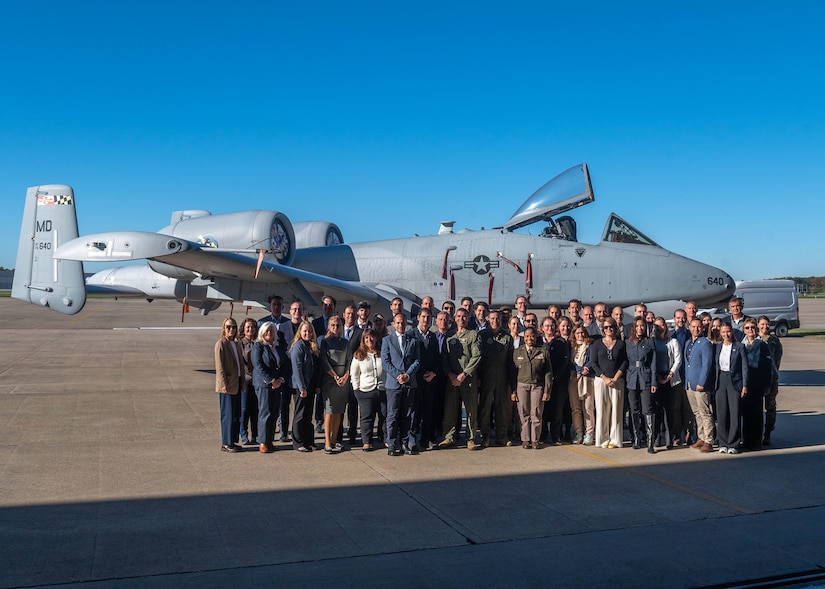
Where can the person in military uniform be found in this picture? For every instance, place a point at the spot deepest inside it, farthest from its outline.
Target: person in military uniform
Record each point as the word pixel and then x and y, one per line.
pixel 460 357
pixel 531 384
pixel 775 346
pixel 495 374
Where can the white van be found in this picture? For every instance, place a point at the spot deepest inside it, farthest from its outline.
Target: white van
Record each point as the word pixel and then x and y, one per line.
pixel 777 299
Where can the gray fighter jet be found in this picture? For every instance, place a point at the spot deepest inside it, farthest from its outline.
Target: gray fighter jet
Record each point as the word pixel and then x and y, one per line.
pixel 243 257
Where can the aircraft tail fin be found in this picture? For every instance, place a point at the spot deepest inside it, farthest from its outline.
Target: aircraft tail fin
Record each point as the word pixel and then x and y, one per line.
pixel 49 220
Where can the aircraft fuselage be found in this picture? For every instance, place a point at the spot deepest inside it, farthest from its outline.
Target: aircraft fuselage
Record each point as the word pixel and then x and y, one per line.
pixel 560 270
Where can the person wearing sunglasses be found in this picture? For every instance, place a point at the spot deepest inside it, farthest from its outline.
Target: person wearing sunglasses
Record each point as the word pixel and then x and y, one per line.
pixel 760 370
pixel 608 357
pixel 230 375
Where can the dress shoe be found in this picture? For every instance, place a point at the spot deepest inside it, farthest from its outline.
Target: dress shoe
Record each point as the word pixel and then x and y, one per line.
pixel 697 444
pixel 766 439
pixel 538 445
pixel 525 445
pixel 229 448
pixel 706 447
pixel 264 448
pixel 485 443
pixel 471 445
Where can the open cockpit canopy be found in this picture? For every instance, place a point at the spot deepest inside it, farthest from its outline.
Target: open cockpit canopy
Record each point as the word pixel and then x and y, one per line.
pixel 568 190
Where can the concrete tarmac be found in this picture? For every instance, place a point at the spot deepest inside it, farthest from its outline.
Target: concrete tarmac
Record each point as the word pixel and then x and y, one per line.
pixel 111 476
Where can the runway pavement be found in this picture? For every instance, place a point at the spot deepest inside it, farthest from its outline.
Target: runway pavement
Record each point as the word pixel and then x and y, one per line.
pixel 112 477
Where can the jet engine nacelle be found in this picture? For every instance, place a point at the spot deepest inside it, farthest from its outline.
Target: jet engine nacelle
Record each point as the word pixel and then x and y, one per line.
pixel 317 234
pixel 245 231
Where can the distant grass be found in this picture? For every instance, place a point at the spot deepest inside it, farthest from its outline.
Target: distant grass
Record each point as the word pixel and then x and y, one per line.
pixel 5 294
pixel 807 332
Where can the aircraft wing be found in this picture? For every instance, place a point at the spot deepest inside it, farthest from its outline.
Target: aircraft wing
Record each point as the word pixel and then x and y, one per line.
pixel 233 274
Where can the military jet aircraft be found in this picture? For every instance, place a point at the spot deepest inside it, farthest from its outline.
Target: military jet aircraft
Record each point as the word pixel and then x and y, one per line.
pixel 245 256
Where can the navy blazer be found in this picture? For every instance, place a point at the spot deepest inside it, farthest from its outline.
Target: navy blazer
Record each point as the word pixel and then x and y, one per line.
pixel 429 356
pixel 641 364
pixel 738 365
pixel 305 368
pixel 397 361
pixel 760 364
pixel 268 363
pixel 698 360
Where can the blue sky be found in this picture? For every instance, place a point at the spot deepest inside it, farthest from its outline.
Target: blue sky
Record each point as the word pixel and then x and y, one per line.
pixel 703 123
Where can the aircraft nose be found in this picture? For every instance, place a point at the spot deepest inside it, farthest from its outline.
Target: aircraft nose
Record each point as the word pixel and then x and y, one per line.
pixel 729 285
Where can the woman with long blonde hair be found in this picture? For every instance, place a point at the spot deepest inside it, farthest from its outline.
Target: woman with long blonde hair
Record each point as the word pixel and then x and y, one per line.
pixel 303 355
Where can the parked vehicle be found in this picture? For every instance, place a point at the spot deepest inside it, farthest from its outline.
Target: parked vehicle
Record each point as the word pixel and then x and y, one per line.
pixel 777 299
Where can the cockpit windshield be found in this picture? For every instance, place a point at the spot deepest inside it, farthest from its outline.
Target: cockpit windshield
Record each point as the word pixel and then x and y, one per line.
pixel 618 230
pixel 568 190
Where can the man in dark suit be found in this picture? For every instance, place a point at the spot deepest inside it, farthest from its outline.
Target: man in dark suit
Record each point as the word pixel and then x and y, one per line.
pixel 352 333
pixel 320 323
pixel 618 316
pixel 400 358
pixel 282 324
pixel 428 369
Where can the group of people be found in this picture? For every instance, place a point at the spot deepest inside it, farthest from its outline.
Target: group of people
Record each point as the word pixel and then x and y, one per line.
pixel 577 377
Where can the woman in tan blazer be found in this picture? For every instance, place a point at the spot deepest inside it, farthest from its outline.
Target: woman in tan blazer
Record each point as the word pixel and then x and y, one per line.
pixel 229 380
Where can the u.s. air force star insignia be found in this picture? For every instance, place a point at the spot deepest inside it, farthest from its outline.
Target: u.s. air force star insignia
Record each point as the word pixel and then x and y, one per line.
pixel 481 264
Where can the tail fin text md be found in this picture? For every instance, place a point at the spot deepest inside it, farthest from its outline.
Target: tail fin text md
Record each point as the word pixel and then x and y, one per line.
pixel 49 220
